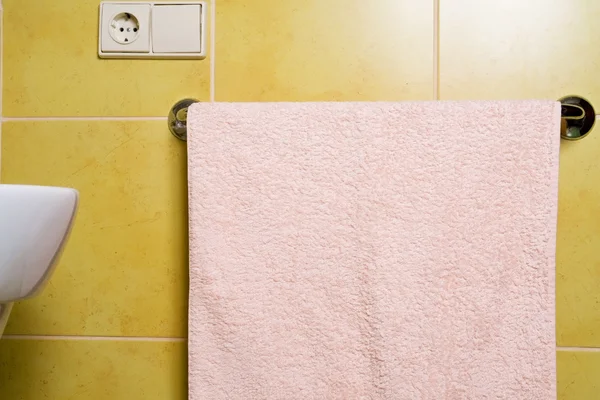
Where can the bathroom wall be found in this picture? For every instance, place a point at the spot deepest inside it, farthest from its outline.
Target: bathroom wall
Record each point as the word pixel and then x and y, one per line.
pixel 112 322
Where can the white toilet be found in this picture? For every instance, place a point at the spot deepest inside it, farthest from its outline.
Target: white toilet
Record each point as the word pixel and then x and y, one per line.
pixel 34 225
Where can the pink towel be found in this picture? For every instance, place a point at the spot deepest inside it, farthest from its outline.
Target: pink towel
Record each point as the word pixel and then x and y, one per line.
pixel 373 250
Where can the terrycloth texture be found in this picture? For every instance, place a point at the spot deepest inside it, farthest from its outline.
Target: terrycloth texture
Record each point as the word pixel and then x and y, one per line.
pixel 373 250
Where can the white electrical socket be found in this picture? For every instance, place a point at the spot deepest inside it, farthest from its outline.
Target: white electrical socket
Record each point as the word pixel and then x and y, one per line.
pixel 125 27
pixel 152 29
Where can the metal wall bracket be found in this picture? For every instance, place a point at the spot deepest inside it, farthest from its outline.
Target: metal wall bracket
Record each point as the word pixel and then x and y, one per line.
pixel 577 117
pixel 178 118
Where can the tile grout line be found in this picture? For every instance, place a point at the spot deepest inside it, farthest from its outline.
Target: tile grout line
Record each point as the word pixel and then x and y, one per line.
pixel 436 49
pixel 179 339
pixel 581 349
pixel 213 20
pixel 17 119
pixel 1 78
pixel 93 338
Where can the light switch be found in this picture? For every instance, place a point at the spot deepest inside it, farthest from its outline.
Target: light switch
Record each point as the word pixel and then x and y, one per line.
pixel 176 28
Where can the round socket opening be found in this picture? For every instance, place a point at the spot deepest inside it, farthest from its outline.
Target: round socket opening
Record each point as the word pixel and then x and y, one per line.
pixel 124 28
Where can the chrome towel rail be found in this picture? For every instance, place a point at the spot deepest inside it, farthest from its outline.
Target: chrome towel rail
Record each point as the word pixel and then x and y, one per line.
pixel 577 118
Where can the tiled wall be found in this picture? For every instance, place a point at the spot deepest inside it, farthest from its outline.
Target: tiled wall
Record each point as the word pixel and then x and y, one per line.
pixel 112 322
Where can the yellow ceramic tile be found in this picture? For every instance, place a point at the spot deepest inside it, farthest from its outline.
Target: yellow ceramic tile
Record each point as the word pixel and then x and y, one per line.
pixel 124 271
pixel 508 49
pixel 51 67
pixel 273 50
pixel 495 49
pixel 92 370
pixel 578 375
pixel 578 241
